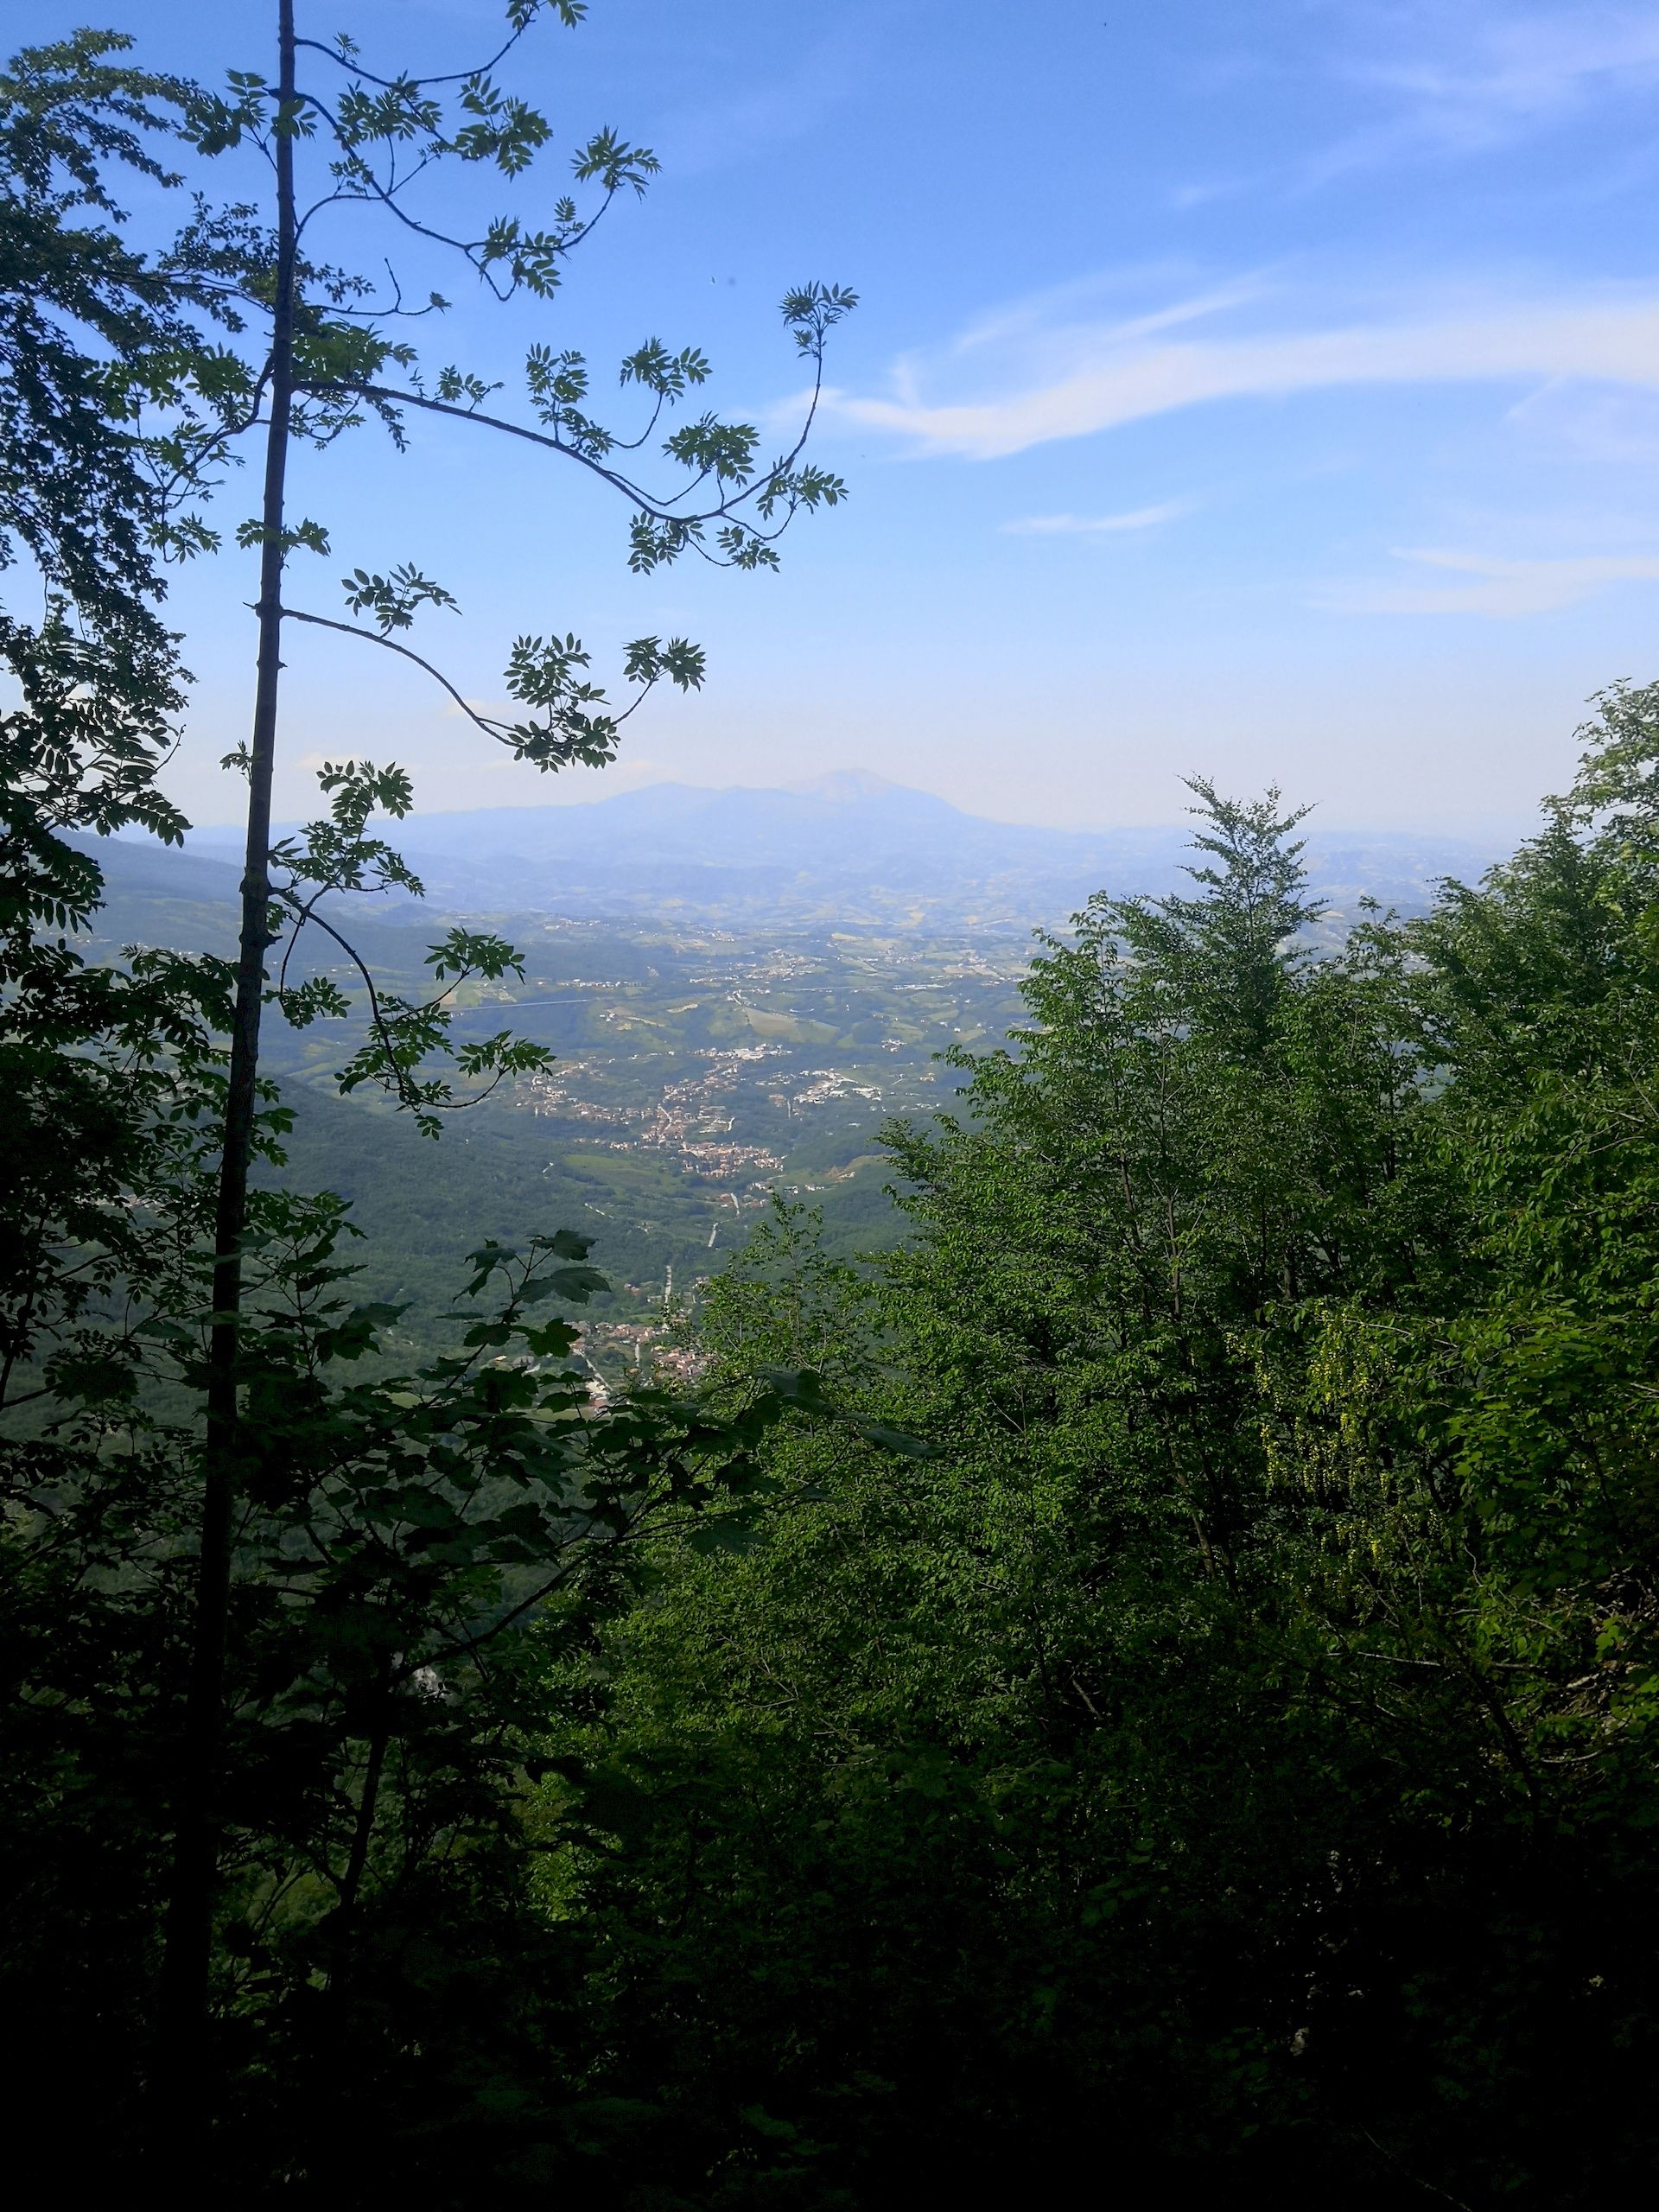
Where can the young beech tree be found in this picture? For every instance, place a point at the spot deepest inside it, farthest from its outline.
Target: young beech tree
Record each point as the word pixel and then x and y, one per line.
pixel 294 350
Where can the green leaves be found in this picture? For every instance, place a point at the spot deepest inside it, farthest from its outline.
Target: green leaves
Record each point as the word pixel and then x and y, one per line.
pixel 404 1037
pixel 214 125
pixel 614 165
pixel 400 1537
pixel 302 1003
pixel 710 447
pixel 812 310
pixel 543 671
pixel 803 1390
pixel 504 130
pixel 338 854
pixel 474 952
pixel 309 535
pixel 387 114
pixel 648 660
pixel 455 384
pixel 358 789
pixel 669 375
pixel 655 541
pixel 395 599
pixel 525 1269
pixel 575 725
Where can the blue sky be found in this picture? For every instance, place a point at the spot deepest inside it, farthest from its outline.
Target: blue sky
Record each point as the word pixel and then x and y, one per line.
pixel 1264 387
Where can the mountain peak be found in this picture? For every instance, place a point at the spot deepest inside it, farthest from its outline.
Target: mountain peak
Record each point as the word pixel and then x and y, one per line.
pixel 844 786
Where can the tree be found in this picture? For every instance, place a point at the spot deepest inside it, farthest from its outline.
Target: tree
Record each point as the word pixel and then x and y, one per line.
pixel 1228 1758
pixel 110 1076
pixel 987 1779
pixel 301 353
pixel 121 415
pixel 89 1054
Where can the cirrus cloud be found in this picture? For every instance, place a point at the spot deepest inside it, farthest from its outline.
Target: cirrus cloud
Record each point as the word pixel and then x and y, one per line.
pixel 1130 372
pixel 1472 76
pixel 1097 525
pixel 1503 587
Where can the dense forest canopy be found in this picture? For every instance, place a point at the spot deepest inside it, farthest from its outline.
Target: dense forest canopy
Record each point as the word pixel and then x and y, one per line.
pixel 1152 1677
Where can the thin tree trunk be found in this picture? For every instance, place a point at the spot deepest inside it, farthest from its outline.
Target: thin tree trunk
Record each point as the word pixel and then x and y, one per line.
pixel 368 1804
pixel 189 1932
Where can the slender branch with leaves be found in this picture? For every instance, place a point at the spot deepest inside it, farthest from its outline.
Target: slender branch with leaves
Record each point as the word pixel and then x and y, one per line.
pixel 268 337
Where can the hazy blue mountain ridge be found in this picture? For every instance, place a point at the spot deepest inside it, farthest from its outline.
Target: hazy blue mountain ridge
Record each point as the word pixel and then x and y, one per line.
pixel 848 848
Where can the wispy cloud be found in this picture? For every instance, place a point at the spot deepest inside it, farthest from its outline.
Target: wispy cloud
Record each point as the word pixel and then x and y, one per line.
pixel 1204 194
pixel 1097 525
pixel 1605 426
pixel 1404 81
pixel 1471 75
pixel 1504 588
pixel 1103 379
pixel 1056 318
pixel 730 129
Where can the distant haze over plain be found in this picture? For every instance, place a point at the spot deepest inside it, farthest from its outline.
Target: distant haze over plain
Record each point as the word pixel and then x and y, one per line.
pixel 847 849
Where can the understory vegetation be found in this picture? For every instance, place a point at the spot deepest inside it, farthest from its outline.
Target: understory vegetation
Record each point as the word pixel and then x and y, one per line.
pixel 1147 1685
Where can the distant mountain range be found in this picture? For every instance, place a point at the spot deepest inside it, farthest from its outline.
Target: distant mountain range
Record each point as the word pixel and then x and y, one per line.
pixel 847 850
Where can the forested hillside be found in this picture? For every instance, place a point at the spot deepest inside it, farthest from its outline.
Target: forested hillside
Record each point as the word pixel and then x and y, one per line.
pixel 1136 1678
pixel 1227 1751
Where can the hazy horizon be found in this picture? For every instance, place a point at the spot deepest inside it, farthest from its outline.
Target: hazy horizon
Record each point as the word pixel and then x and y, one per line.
pixel 1321 822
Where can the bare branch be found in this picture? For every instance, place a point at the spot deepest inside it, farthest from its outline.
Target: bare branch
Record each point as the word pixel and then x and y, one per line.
pixel 354 68
pixel 373 637
pixel 502 732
